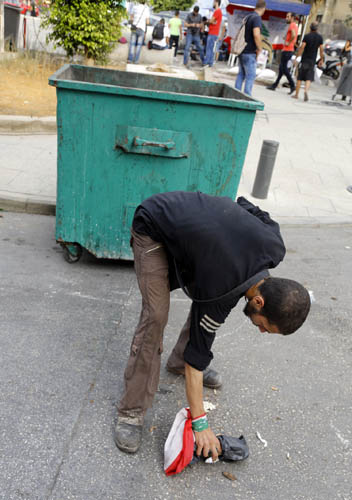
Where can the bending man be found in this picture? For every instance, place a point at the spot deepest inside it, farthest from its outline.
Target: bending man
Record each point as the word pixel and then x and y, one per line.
pixel 218 251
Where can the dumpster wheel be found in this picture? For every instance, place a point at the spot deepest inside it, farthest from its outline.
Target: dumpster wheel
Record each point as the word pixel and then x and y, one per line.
pixel 72 252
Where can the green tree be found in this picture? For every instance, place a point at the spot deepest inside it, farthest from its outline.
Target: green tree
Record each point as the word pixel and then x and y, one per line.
pixel 348 20
pixel 87 27
pixel 159 5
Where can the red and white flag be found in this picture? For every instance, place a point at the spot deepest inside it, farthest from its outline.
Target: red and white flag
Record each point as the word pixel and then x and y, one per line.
pixel 179 446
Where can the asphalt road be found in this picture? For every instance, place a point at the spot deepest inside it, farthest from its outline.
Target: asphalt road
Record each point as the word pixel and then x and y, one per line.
pixel 64 337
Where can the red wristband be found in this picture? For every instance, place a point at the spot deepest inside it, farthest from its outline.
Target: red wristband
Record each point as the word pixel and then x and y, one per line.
pixel 199 416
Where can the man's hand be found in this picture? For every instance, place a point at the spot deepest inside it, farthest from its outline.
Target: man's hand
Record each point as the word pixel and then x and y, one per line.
pixel 206 441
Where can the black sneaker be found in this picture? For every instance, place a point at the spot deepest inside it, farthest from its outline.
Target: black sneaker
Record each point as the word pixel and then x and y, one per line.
pixel 211 378
pixel 271 87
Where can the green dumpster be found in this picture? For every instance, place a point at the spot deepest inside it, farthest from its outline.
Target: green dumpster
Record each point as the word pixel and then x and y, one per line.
pixel 125 136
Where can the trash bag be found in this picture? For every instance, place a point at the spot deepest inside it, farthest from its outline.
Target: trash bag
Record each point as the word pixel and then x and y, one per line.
pixel 233 450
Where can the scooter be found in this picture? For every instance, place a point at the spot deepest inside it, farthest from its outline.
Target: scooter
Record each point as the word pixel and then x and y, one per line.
pixel 333 67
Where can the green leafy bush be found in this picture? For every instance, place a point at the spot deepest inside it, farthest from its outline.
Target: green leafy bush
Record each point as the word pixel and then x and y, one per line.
pixel 87 27
pixel 159 5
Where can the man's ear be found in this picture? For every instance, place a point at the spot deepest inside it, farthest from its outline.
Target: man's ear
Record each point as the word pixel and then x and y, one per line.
pixel 258 301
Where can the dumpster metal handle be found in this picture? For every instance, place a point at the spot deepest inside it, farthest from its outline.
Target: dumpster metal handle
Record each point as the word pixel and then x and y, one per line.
pixel 137 141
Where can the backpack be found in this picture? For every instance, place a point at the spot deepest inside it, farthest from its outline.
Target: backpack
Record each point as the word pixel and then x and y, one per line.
pixel 158 31
pixel 239 42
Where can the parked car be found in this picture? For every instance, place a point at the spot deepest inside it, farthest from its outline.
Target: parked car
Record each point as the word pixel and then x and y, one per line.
pixel 334 47
pixel 168 14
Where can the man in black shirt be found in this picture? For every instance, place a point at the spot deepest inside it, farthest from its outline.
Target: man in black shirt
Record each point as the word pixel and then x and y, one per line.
pixel 309 48
pixel 217 251
pixel 193 24
pixel 248 58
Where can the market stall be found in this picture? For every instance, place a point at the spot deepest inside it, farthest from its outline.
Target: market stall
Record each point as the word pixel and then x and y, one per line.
pixel 274 18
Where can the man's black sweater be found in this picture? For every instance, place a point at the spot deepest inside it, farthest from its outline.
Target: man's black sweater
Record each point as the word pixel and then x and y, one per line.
pixel 217 250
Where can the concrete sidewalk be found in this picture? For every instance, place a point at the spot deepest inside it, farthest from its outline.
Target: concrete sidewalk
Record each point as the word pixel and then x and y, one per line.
pixel 312 170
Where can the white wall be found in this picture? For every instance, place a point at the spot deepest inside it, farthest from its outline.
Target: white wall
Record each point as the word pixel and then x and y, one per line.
pixel 36 40
pixel 32 37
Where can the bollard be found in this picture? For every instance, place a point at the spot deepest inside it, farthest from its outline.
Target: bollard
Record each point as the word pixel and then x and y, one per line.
pixel 265 169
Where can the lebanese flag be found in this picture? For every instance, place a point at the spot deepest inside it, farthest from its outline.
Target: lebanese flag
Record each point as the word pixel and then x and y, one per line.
pixel 179 446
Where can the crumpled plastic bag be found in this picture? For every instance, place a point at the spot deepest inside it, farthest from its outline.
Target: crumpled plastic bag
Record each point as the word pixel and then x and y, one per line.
pixel 233 449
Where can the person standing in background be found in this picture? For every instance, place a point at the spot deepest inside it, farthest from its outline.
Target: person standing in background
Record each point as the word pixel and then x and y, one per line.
pixel 193 24
pixel 213 34
pixel 308 50
pixel 248 58
pixel 347 51
pixel 204 31
pixel 175 27
pixel 287 53
pixel 139 20
pixel 221 39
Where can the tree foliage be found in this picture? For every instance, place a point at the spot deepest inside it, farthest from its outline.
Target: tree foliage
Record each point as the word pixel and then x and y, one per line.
pixel 86 27
pixel 348 19
pixel 160 5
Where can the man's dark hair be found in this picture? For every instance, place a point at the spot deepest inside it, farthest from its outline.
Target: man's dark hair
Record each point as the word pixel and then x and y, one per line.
pixel 261 4
pixel 314 26
pixel 218 2
pixel 177 12
pixel 196 9
pixel 286 303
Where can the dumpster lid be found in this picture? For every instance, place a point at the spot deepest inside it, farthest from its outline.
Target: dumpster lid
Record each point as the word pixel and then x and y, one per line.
pixel 92 79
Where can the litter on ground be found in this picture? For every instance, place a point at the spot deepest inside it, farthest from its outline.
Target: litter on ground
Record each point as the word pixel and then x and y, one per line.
pixel 265 443
pixel 208 406
pixel 230 476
